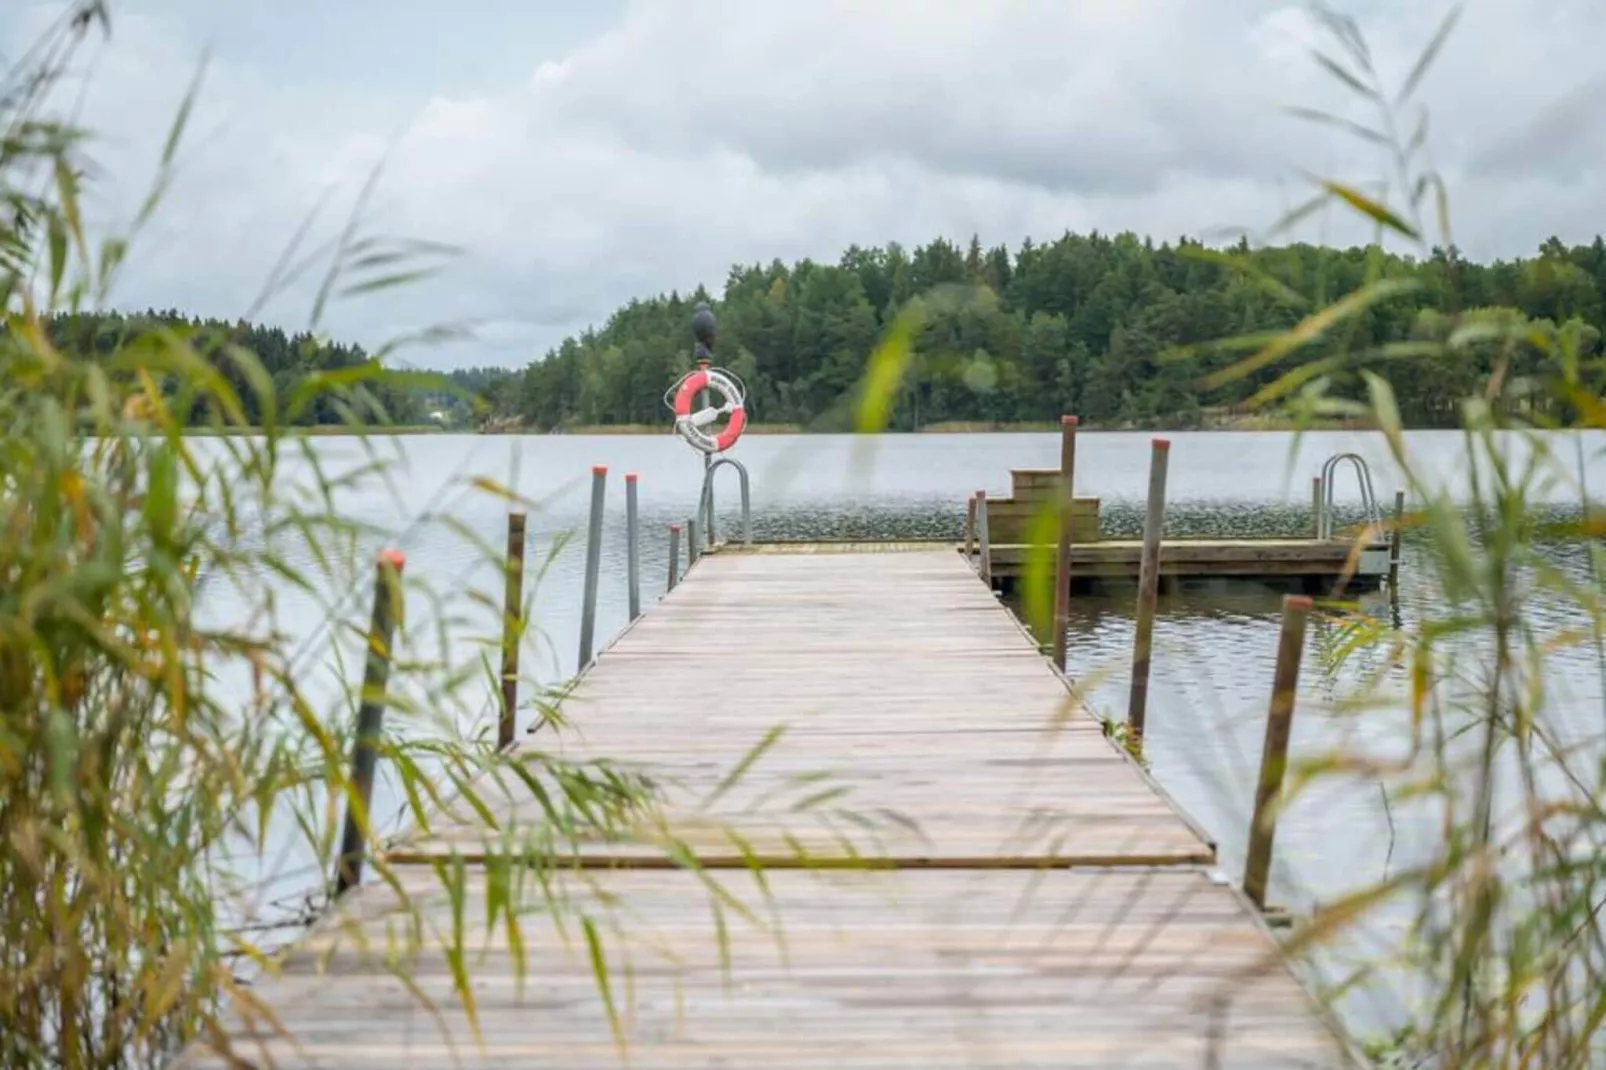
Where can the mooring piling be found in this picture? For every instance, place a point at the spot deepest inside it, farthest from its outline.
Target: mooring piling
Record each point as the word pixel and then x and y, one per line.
pixel 985 560
pixel 370 718
pixel 588 602
pixel 1062 561
pixel 1148 591
pixel 1316 507
pixel 632 549
pixel 693 550
pixel 970 527
pixel 674 555
pixel 1396 535
pixel 1274 755
pixel 512 629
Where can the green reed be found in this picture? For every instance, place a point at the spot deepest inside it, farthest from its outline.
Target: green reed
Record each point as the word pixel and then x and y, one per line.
pixel 160 770
pixel 1504 928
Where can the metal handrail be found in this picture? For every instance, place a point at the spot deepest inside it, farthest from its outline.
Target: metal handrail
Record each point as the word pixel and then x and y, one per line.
pixel 1363 475
pixel 705 501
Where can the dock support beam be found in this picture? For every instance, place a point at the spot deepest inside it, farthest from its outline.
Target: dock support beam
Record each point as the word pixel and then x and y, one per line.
pixel 370 720
pixel 512 630
pixel 588 602
pixel 632 547
pixel 1062 561
pixel 1274 755
pixel 1137 706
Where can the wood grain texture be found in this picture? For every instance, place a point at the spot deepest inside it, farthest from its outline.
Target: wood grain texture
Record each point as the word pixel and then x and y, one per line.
pixel 920 724
pixel 933 970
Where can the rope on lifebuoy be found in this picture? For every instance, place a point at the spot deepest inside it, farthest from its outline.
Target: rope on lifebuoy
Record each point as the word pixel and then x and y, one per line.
pixel 689 425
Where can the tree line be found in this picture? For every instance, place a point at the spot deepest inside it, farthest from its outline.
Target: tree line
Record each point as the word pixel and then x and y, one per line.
pixel 351 383
pixel 1116 329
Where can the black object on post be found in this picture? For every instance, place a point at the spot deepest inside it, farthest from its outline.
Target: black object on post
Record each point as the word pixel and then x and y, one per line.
pixel 703 328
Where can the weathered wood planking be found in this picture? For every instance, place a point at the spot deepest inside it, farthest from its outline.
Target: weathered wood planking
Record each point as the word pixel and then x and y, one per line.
pixel 1071 968
pixel 899 677
pixel 920 725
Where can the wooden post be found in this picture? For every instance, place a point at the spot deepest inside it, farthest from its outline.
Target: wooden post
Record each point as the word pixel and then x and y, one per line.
pixel 1395 537
pixel 1062 563
pixel 985 563
pixel 1148 592
pixel 1274 756
pixel 970 526
pixel 632 550
pixel 588 602
pixel 370 719
pixel 674 554
pixel 512 630
pixel 691 542
pixel 1316 507
pixel 708 482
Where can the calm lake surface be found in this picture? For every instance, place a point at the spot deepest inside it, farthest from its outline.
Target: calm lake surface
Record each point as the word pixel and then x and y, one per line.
pixel 1214 645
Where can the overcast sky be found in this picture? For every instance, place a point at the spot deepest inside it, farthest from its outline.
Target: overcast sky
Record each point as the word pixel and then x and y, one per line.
pixel 582 152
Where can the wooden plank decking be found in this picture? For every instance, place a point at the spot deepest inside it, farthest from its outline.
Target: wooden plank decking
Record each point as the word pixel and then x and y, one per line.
pixel 1046 905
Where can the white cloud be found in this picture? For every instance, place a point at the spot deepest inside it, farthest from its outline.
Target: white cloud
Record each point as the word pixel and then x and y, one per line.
pixel 693 134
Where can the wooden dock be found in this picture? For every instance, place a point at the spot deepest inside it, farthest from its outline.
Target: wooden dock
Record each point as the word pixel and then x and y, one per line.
pixel 1319 565
pixel 1315 565
pixel 961 870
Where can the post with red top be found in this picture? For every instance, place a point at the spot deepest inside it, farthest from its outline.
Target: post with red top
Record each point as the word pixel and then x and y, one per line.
pixel 1148 594
pixel 674 555
pixel 1062 563
pixel 1274 756
pixel 632 551
pixel 370 719
pixel 588 603
pixel 512 629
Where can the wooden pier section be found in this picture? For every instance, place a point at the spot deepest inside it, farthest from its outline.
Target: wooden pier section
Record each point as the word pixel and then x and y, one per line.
pixel 1315 565
pixel 960 869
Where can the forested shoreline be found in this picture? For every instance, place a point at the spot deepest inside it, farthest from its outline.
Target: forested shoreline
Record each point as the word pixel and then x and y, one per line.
pixel 354 385
pixel 1118 329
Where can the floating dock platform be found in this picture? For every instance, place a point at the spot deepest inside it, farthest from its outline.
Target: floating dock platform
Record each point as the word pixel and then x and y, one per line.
pixel 1027 521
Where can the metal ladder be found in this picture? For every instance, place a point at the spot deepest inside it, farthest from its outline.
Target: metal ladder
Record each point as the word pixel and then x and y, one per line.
pixel 1363 475
pixel 705 501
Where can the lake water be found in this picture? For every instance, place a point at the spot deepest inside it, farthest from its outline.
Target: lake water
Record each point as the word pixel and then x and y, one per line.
pixel 1214 646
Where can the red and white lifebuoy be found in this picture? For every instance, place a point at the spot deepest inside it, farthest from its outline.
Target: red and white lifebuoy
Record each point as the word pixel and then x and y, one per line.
pixel 690 425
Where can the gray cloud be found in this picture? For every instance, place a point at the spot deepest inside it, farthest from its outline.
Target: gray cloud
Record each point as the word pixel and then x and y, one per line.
pixel 682 137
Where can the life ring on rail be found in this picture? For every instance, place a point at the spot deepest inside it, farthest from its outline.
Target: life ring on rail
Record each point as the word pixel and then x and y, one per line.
pixel 690 425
